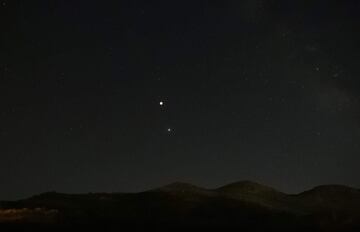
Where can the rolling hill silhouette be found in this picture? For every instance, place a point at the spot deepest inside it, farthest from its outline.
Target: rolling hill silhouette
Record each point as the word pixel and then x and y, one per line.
pixel 244 205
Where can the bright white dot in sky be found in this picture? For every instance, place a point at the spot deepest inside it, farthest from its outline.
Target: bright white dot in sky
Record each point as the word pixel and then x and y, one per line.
pixel 169 130
pixel 161 103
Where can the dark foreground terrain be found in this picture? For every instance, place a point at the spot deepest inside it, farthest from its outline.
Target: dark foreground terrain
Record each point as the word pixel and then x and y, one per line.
pixel 241 206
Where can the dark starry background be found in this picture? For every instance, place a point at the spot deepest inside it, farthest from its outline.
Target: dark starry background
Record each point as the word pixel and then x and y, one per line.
pixel 264 90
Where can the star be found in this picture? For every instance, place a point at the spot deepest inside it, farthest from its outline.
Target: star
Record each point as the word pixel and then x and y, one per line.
pixel 161 103
pixel 169 130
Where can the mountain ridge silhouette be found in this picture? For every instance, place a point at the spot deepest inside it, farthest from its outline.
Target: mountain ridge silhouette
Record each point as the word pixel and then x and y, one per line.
pixel 243 204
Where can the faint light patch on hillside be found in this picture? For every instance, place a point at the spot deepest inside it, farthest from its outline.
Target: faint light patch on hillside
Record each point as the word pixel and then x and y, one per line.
pixel 37 215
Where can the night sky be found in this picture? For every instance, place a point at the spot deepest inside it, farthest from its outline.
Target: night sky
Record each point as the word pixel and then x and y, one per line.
pixel 123 96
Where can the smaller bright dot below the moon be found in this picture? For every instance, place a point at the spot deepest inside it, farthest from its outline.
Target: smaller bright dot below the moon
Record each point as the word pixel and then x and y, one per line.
pixel 169 129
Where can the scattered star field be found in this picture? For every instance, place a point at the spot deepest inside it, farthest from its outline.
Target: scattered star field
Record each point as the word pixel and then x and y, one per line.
pixel 123 96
